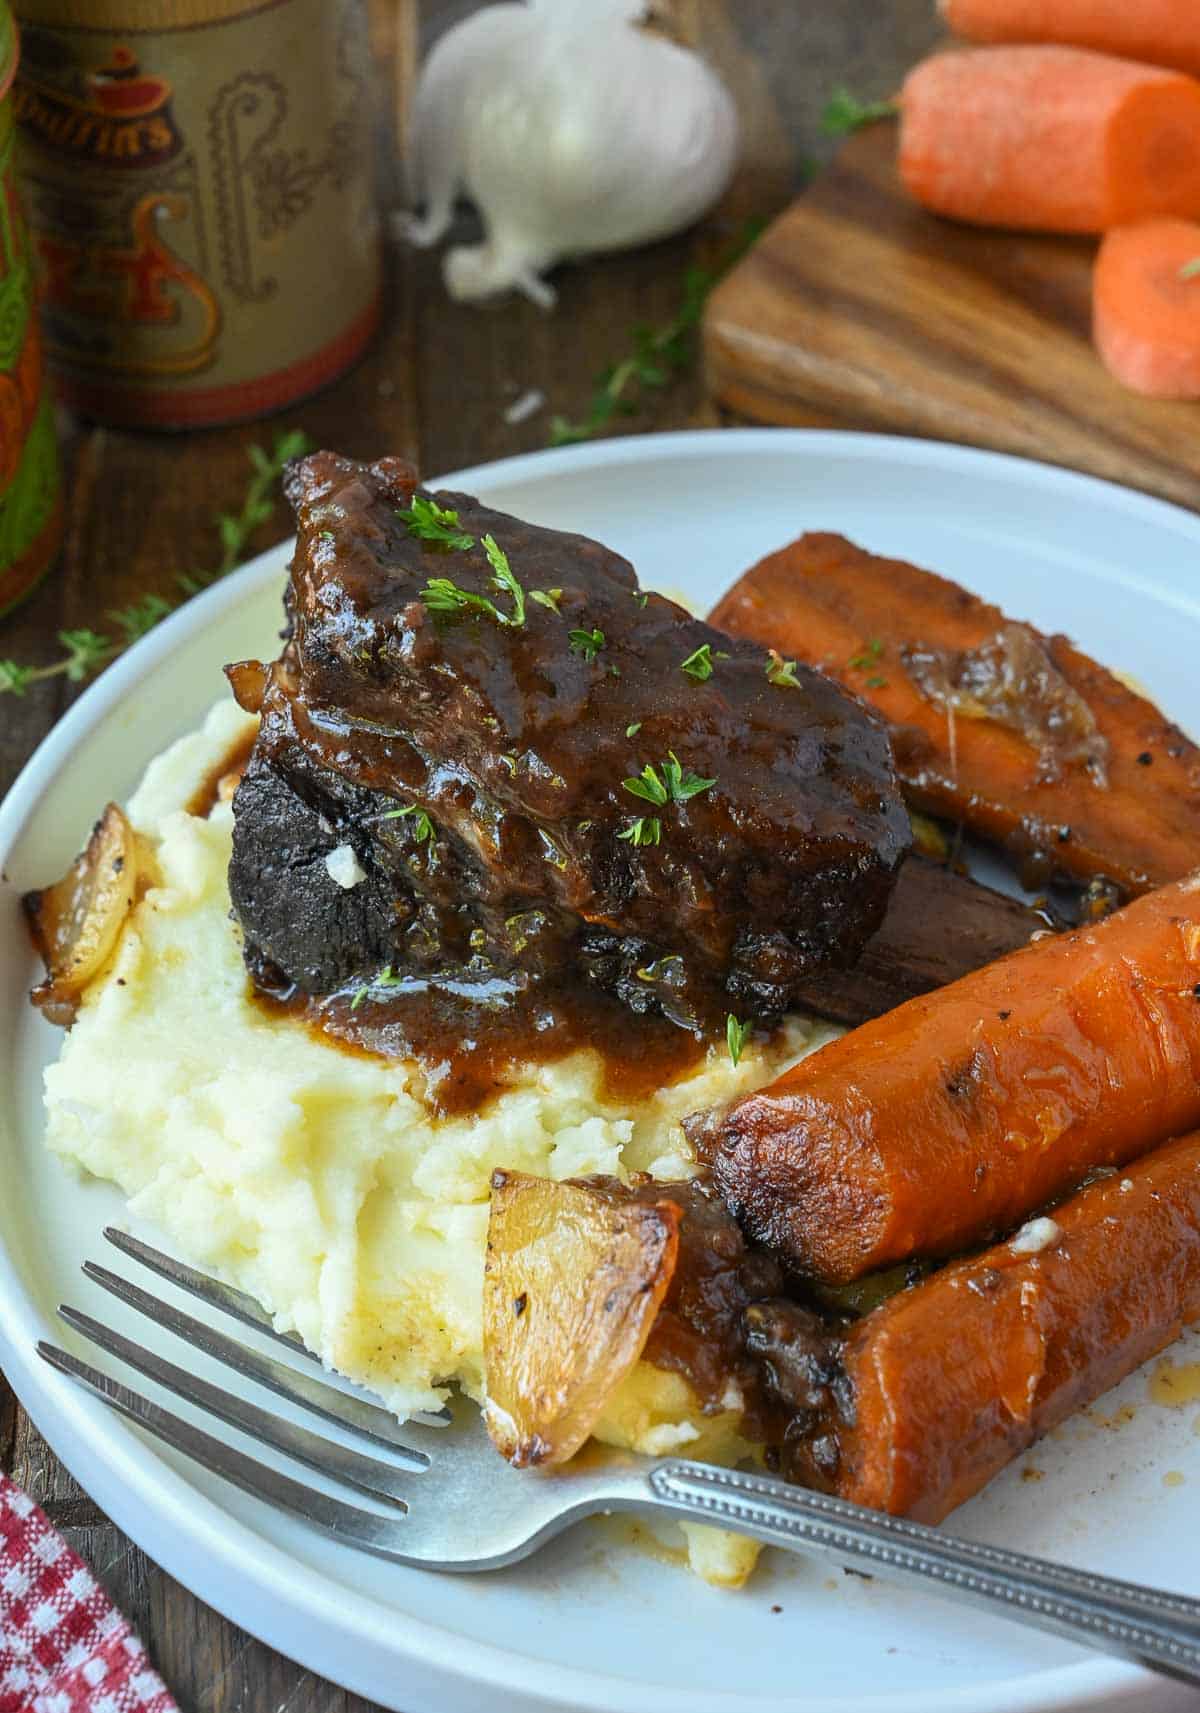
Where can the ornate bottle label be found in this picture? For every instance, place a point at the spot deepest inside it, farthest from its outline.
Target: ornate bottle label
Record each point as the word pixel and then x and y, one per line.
pixel 197 175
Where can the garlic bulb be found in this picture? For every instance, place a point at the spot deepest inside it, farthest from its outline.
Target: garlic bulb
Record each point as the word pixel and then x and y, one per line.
pixel 572 130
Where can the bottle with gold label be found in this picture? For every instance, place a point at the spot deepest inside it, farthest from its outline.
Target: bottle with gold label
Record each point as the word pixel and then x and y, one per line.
pixel 30 500
pixel 198 180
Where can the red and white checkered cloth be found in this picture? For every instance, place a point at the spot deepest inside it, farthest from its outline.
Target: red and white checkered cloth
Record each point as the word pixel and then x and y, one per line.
pixel 64 1647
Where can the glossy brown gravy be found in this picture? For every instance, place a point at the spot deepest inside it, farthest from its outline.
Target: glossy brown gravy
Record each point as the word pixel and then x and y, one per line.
pixel 472 1042
pixel 473 1039
pixel 207 794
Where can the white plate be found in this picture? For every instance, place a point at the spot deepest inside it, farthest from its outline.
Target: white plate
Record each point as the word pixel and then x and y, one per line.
pixel 592 1624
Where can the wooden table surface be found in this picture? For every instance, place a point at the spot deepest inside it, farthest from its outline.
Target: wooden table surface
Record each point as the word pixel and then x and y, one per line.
pixel 435 387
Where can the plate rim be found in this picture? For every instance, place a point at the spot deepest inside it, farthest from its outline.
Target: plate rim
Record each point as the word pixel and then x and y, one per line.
pixel 177 1524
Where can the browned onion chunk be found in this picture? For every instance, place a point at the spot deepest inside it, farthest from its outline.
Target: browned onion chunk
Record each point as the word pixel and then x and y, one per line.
pixel 76 922
pixel 573 1282
pixel 248 681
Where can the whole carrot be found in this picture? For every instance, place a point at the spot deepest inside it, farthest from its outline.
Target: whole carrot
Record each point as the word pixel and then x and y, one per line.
pixel 944 1383
pixel 1052 139
pixel 1161 32
pixel 962 1112
pixel 866 620
pixel 1146 307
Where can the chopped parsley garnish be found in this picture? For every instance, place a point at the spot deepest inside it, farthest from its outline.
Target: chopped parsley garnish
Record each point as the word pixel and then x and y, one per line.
pixel 877 683
pixel 679 787
pixel 325 535
pixel 669 786
pixel 647 785
pixel 442 595
pixel 503 580
pixel 438 524
pixel 586 642
pixel 546 598
pixel 633 730
pixel 700 664
pixel 646 830
pixel 1190 270
pixel 422 825
pixel 384 978
pixel 736 1036
pixel 781 672
pixel 871 652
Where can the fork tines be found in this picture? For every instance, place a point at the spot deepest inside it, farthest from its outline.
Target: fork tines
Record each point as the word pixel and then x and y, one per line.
pixel 384 1477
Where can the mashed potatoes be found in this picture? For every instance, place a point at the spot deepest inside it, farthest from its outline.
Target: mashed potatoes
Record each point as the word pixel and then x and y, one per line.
pixel 312 1177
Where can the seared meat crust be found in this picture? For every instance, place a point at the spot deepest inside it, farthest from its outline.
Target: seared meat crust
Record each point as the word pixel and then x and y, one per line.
pixel 515 744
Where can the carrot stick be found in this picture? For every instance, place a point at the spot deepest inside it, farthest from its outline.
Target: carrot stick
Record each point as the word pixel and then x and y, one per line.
pixel 1161 32
pixel 958 1114
pixel 1050 139
pixel 953 1378
pixel 1146 307
pixel 861 618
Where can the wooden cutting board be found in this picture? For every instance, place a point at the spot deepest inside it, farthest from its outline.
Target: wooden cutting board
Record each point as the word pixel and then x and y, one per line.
pixel 858 309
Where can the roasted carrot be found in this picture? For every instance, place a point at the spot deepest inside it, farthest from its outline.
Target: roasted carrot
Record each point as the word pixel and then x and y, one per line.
pixel 872 622
pixel 1161 32
pixel 1146 307
pixel 958 1114
pixel 944 1383
pixel 1050 139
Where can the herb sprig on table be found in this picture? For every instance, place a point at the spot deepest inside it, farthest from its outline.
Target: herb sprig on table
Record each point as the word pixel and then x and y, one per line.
pixel 86 651
pixel 658 354
pixel 845 113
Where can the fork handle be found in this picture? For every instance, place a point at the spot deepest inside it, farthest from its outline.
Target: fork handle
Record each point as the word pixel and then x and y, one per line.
pixel 1155 1628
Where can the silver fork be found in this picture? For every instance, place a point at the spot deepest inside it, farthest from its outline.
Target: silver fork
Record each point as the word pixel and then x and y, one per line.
pixel 444 1500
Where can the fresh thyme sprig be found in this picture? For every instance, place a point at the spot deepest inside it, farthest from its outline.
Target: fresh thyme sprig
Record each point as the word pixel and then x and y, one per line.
pixel 844 112
pixel 86 651
pixel 659 353
pixel 436 524
pixel 258 506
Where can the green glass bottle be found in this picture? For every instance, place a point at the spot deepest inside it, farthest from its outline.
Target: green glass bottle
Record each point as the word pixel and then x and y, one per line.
pixel 30 495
